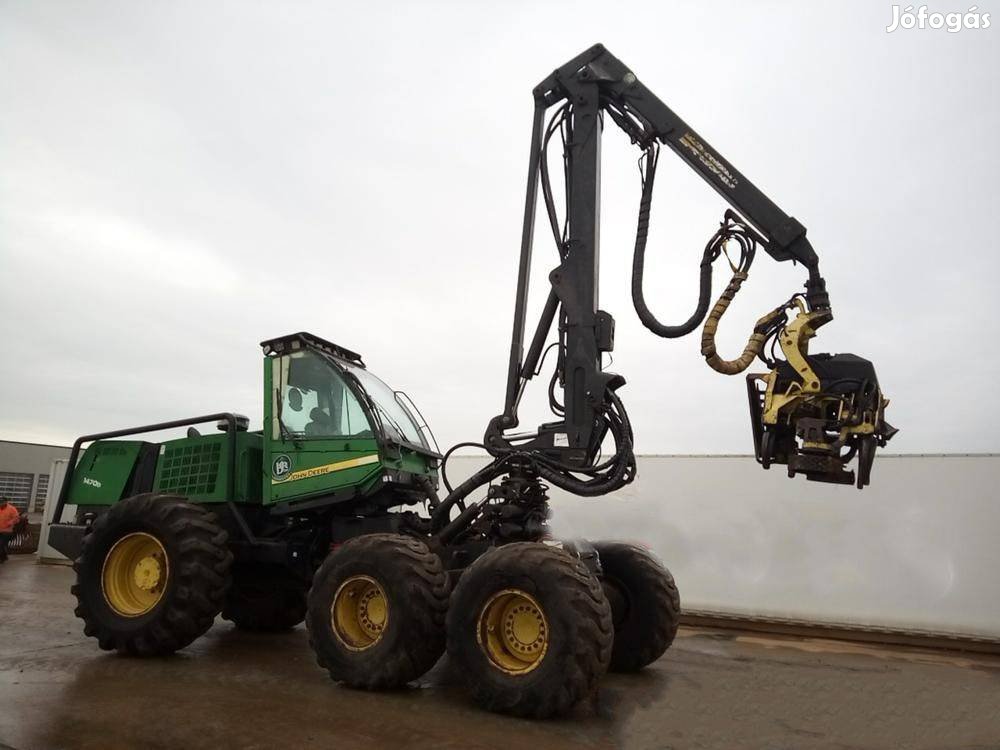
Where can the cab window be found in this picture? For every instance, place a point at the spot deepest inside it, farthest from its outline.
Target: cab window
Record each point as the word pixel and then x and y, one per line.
pixel 311 400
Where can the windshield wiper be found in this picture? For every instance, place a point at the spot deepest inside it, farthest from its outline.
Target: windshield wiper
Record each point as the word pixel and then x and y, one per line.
pixel 377 407
pixel 392 422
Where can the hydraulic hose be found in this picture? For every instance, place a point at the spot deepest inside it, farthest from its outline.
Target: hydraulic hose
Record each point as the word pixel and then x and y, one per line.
pixel 613 474
pixel 755 345
pixel 638 264
pixel 708 351
pixel 733 229
pixel 730 229
pixel 439 517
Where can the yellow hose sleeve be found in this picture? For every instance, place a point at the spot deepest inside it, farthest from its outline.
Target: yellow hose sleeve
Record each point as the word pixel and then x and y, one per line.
pixel 754 345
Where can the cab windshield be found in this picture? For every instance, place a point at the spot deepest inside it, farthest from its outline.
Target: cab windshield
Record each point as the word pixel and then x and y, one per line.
pixel 312 400
pixel 399 422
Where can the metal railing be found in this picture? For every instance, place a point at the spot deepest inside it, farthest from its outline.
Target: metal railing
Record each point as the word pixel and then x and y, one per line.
pixel 231 420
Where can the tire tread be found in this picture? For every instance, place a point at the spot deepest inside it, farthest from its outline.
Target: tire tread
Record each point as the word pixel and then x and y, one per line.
pixel 426 585
pixel 662 606
pixel 201 565
pixel 587 620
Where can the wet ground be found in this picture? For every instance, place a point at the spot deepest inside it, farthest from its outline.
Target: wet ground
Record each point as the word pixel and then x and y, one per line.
pixel 714 689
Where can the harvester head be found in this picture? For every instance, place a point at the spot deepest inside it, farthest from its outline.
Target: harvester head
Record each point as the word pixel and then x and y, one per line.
pixel 816 413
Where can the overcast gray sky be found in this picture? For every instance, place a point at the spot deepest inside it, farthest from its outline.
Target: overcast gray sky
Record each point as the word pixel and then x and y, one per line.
pixel 181 180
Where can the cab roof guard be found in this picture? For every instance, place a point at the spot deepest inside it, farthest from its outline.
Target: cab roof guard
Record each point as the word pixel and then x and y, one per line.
pixel 295 341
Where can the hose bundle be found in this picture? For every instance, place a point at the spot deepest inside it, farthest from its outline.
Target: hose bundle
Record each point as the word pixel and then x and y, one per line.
pixel 730 229
pixel 649 320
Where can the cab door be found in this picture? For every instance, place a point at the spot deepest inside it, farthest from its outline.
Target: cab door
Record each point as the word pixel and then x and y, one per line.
pixel 318 438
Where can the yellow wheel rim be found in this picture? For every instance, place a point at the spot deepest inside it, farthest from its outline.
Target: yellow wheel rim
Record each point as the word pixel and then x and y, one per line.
pixel 513 631
pixel 135 574
pixel 359 613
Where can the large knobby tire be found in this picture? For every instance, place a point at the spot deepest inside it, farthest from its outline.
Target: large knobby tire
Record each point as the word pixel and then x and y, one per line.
pixel 645 604
pixel 265 599
pixel 530 629
pixel 376 611
pixel 173 547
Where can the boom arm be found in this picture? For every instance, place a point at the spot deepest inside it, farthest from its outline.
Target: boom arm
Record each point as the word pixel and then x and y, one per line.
pixel 831 403
pixel 645 118
pixel 591 86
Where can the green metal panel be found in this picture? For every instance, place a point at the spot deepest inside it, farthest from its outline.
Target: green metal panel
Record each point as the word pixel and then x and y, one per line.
pixel 413 462
pixel 298 468
pixel 193 467
pixel 198 467
pixel 103 471
pixel 310 467
pixel 248 484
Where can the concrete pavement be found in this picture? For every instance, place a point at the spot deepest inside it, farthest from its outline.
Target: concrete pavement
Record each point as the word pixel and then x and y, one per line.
pixel 713 689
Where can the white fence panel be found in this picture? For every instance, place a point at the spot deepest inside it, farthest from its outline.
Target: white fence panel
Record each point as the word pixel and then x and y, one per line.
pixel 57 473
pixel 918 550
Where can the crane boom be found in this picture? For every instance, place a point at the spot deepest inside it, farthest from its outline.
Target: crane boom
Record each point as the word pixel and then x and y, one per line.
pixel 814 413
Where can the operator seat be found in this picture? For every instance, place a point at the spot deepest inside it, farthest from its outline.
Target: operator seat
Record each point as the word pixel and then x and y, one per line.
pixel 320 422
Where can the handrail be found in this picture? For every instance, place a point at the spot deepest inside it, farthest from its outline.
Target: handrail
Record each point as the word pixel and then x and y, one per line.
pixel 423 426
pixel 230 419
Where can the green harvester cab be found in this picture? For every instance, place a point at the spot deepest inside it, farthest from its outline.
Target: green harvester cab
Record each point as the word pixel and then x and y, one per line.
pixel 338 448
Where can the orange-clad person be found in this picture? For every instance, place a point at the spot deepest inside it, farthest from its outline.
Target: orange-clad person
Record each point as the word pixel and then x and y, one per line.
pixel 8 517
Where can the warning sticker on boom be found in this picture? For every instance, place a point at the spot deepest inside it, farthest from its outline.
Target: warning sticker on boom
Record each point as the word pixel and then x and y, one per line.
pixel 709 159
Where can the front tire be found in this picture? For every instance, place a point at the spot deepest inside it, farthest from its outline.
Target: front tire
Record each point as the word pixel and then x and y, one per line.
pixel 530 629
pixel 645 604
pixel 376 611
pixel 151 575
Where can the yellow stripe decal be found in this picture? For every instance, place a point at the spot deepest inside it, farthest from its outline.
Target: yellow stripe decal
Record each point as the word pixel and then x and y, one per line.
pixel 318 471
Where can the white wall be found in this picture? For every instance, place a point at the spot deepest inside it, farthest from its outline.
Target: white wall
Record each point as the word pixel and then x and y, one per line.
pixel 918 549
pixel 57 472
pixel 30 458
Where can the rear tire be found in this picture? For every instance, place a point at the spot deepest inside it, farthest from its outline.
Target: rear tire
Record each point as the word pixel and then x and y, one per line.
pixel 645 604
pixel 548 644
pixel 265 599
pixel 376 611
pixel 152 575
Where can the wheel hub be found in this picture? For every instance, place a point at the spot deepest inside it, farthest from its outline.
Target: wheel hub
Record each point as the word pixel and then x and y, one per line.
pixel 359 613
pixel 147 573
pixel 513 631
pixel 134 574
